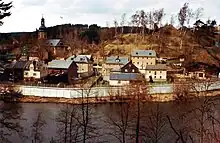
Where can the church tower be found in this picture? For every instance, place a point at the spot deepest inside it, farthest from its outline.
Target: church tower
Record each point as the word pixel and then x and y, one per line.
pixel 42 34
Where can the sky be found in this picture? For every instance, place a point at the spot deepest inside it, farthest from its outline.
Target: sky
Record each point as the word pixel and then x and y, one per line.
pixel 26 14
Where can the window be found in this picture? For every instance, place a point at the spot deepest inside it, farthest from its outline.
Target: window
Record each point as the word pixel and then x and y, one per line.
pixel 138 63
pixel 126 70
pixel 26 73
pixel 155 73
pixel 200 74
pixel 150 53
pixel 160 77
pixel 155 77
pixel 160 71
pixel 132 70
pixel 34 74
pixel 149 71
pixel 129 65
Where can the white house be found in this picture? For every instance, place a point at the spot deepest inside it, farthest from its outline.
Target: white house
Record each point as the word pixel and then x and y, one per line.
pixel 121 79
pixel 84 63
pixel 156 72
pixel 35 70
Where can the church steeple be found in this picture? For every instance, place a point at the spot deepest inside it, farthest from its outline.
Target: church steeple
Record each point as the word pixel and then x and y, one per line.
pixel 42 30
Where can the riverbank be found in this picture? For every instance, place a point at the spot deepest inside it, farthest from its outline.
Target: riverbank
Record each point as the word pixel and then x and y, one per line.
pixel 106 99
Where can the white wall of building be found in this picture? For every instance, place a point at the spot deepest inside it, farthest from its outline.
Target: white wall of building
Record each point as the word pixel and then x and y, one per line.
pixel 118 83
pixel 157 75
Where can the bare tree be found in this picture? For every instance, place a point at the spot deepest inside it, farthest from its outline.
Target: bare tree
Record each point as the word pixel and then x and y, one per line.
pixel 182 15
pixel 37 128
pixel 120 123
pixel 9 121
pixel 198 13
pixel 116 27
pixel 123 22
pixel 154 124
pixel 172 19
pixel 66 124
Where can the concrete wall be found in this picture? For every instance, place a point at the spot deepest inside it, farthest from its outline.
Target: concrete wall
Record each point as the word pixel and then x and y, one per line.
pixel 101 91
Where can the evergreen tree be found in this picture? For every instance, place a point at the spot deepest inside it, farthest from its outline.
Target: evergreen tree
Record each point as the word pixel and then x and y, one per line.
pixel 4 10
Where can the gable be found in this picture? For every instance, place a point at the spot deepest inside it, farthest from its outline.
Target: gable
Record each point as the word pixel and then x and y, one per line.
pixel 130 67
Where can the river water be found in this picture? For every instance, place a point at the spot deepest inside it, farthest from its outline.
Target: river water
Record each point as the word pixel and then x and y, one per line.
pixel 102 117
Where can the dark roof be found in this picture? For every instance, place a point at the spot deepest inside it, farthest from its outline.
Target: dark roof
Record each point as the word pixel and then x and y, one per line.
pixel 60 64
pixel 81 59
pixel 124 76
pixel 17 65
pixel 117 60
pixel 143 53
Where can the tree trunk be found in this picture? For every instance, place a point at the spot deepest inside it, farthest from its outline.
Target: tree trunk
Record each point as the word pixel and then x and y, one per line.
pixel 138 120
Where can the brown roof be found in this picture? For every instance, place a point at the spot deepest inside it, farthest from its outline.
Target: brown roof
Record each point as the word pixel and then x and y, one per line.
pixel 156 67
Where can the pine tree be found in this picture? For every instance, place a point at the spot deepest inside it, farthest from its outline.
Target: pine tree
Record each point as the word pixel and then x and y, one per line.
pixel 4 10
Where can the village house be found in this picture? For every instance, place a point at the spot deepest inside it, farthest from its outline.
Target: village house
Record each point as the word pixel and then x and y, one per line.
pixel 35 70
pixel 85 65
pixel 62 71
pixel 125 75
pixel 142 58
pixel 198 74
pixel 15 71
pixel 114 62
pixel 156 72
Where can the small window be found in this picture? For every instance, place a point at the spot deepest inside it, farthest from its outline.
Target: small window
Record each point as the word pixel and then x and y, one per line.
pixel 34 74
pixel 155 77
pixel 126 70
pixel 26 73
pixel 160 77
pixel 132 70
pixel 129 65
pixel 149 71
pixel 160 71
pixel 138 63
pixel 200 74
pixel 82 69
pixel 150 53
pixel 155 73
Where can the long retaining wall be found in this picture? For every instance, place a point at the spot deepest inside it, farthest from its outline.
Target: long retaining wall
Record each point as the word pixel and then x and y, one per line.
pixel 100 91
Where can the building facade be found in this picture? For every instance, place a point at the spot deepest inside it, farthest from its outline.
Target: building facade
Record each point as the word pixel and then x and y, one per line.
pixel 142 58
pixel 35 70
pixel 111 63
pixel 156 72
pixel 84 63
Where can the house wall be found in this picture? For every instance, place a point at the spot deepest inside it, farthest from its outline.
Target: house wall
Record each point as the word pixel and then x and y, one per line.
pixel 72 73
pixel 108 67
pixel 36 74
pixel 157 75
pixel 60 51
pixel 118 83
pixel 130 68
pixel 85 67
pixel 141 62
pixel 199 75
pixel 42 35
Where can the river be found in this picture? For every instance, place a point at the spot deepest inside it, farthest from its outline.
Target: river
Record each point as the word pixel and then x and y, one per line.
pixel 152 115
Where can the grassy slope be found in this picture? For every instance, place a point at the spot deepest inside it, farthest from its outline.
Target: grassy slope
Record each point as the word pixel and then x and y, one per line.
pixel 166 42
